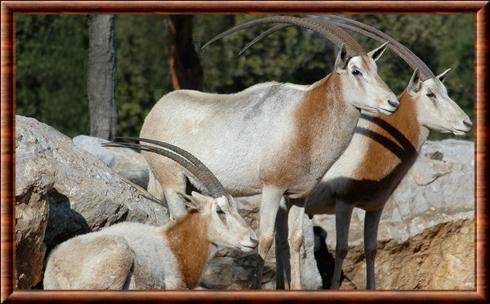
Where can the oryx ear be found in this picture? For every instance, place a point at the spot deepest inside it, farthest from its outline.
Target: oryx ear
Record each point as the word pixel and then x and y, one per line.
pixel 341 60
pixel 443 75
pixel 191 202
pixel 377 52
pixel 414 84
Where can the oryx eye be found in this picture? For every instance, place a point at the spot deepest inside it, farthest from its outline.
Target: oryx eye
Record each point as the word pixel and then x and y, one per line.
pixel 221 215
pixel 430 95
pixel 356 73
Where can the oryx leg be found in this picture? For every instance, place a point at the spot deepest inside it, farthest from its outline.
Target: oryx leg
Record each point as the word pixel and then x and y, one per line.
pixel 271 199
pixel 282 248
pixel 371 222
pixel 343 213
pixel 154 186
pixel 172 180
pixel 295 238
pixel 175 203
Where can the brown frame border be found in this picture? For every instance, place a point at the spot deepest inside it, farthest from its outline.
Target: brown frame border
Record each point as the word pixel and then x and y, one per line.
pixel 9 8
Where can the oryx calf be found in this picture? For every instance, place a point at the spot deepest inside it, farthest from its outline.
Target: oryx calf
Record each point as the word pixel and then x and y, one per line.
pixel 138 256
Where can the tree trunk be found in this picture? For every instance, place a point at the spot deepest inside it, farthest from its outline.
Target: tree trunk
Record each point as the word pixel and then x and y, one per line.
pixel 101 77
pixel 183 60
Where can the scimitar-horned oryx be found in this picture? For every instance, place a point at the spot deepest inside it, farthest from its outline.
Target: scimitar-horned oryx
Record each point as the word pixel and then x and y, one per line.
pixel 273 138
pixel 138 256
pixel 382 151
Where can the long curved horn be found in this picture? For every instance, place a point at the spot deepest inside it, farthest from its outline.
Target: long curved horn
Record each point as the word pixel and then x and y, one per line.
pixel 201 172
pixel 406 54
pixel 194 160
pixel 328 31
pixel 264 34
pixel 402 51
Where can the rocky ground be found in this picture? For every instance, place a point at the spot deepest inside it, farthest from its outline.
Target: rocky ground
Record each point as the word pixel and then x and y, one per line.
pixel 441 257
pixel 66 187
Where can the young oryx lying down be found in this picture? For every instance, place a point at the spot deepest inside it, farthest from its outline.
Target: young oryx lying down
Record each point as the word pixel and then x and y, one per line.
pixel 138 256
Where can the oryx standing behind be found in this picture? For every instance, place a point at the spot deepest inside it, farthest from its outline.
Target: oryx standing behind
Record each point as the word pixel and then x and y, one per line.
pixel 382 151
pixel 277 139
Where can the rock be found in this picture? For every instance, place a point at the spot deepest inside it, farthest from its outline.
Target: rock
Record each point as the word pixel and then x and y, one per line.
pixel 426 232
pixel 125 162
pixel 441 257
pixel 81 193
pixel 31 215
pixel 232 270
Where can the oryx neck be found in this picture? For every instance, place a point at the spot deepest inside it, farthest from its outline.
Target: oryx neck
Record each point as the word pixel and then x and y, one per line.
pixel 188 240
pixel 391 142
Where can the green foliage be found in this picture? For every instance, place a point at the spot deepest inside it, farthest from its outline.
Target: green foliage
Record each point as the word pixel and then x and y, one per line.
pixel 51 56
pixel 52 51
pixel 142 72
pixel 285 56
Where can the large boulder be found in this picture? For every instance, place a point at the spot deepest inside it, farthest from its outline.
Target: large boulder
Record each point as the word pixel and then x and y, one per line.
pixel 441 257
pixel 31 217
pixel 426 232
pixel 62 191
pixel 126 162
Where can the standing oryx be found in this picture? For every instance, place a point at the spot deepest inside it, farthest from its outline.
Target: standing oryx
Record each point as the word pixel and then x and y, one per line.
pixel 277 139
pixel 382 151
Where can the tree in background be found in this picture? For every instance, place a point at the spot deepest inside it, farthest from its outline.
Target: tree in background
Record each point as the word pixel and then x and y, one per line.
pixel 183 61
pixel 142 75
pixel 51 70
pixel 51 60
pixel 101 77
pixel 290 55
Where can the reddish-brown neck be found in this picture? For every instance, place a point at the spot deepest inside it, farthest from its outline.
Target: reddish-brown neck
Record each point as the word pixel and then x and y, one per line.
pixel 400 130
pixel 313 113
pixel 188 240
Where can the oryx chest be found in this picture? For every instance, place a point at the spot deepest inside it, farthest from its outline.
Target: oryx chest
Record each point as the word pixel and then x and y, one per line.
pixel 318 140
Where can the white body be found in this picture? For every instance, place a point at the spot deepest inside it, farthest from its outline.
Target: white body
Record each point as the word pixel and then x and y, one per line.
pixel 243 133
pixel 129 256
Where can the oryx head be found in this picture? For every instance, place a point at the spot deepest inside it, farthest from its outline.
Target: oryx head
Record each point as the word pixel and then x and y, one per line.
pixel 435 109
pixel 362 87
pixel 360 83
pixel 225 225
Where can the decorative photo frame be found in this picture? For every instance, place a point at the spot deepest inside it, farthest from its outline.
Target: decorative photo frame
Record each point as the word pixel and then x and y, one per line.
pixel 10 8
